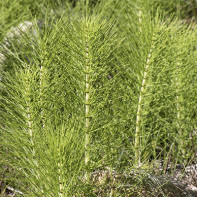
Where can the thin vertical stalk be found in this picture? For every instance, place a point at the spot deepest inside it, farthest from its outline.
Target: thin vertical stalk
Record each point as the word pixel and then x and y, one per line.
pixel 41 88
pixel 140 20
pixel 179 111
pixel 87 101
pixel 60 180
pixel 29 118
pixel 137 138
pixel 139 110
pixel 111 192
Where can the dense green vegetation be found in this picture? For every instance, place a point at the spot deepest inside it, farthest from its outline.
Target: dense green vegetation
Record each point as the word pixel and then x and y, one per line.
pixel 99 87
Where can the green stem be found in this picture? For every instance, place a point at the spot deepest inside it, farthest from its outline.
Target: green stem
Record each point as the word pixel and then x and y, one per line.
pixel 41 89
pixel 29 118
pixel 139 110
pixel 140 20
pixel 60 180
pixel 87 103
pixel 179 112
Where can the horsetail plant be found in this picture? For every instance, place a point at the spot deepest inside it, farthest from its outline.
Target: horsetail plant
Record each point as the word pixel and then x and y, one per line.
pixel 84 94
pixel 146 70
pixel 94 46
pixel 27 125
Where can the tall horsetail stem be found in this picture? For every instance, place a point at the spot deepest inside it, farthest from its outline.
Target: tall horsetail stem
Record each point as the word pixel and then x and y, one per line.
pixel 87 104
pixel 29 118
pixel 139 109
pixel 140 19
pixel 179 113
pixel 60 180
pixel 42 87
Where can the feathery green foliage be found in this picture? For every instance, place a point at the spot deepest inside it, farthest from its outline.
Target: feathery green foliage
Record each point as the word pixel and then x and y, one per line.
pixel 110 86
